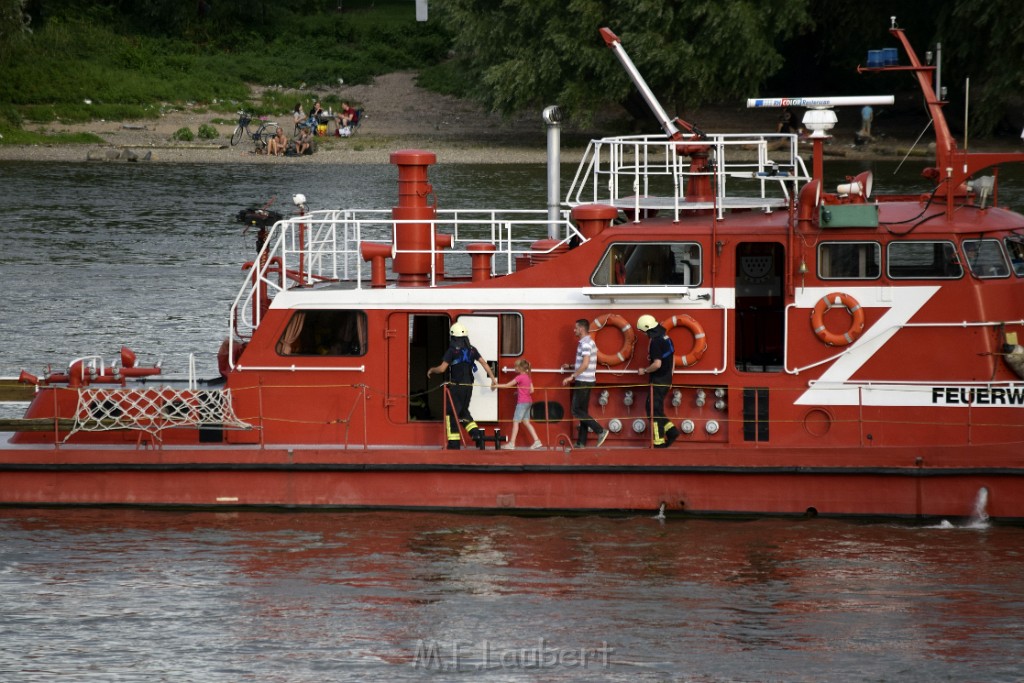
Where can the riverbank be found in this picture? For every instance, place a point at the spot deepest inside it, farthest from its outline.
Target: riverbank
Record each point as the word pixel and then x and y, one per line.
pixel 400 115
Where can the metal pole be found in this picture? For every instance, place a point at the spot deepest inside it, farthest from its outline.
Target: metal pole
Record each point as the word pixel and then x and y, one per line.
pixel 967 106
pixel 552 117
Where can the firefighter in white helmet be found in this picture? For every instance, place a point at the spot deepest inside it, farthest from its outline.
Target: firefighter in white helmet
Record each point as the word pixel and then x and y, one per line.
pixel 461 360
pixel 660 365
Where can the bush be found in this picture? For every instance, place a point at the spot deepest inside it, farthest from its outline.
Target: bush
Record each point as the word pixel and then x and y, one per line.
pixel 183 134
pixel 9 116
pixel 452 77
pixel 18 136
pixel 208 132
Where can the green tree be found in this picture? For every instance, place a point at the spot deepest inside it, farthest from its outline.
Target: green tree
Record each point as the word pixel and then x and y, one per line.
pixel 823 61
pixel 982 40
pixel 529 53
pixel 14 25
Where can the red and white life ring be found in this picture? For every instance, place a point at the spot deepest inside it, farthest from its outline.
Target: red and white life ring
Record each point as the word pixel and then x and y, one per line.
pixel 824 305
pixel 700 341
pixel 628 339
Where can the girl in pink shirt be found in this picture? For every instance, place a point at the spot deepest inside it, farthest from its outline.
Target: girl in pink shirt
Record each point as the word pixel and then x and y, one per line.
pixel 524 401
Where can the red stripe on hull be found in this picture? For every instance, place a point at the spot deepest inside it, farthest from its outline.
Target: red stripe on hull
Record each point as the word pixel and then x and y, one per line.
pixel 611 479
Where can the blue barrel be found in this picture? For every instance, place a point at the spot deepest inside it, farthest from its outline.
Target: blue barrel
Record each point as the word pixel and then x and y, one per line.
pixel 890 56
pixel 875 59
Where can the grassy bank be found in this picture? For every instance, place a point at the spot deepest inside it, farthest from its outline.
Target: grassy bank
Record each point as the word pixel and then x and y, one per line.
pixel 86 62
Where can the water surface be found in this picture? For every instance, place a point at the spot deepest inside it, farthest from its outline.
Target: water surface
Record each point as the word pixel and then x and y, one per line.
pixel 118 595
pixel 99 255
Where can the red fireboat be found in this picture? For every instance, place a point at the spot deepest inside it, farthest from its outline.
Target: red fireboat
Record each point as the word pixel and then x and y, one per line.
pixel 832 351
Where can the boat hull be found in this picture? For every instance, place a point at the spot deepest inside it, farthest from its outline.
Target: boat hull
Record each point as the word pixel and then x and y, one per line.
pixel 899 482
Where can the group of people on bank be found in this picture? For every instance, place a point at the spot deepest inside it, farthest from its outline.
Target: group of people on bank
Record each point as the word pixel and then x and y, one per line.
pixel 461 359
pixel 318 121
pixel 308 126
pixel 279 145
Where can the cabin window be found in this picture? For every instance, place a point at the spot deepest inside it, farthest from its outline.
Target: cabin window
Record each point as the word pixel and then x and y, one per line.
pixel 510 341
pixel 662 263
pixel 985 258
pixel 511 334
pixel 324 333
pixel 1015 248
pixel 920 260
pixel 849 261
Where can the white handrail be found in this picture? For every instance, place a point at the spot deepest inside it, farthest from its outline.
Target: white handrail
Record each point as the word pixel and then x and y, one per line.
pixel 325 247
pixel 628 172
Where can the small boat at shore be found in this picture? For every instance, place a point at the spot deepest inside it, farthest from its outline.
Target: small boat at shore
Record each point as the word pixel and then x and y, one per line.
pixel 834 351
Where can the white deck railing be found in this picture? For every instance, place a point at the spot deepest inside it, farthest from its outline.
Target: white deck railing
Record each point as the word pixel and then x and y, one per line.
pixel 325 247
pixel 645 172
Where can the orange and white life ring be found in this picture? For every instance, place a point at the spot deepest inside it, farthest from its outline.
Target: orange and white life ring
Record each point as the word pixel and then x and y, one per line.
pixel 700 341
pixel 628 339
pixel 824 305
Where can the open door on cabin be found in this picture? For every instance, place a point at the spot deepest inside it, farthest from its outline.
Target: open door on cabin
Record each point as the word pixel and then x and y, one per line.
pixel 416 343
pixel 760 306
pixel 483 334
pixel 427 341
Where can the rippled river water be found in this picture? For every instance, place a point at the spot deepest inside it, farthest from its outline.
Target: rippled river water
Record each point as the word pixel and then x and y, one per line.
pixel 118 595
pixel 149 255
pixel 99 255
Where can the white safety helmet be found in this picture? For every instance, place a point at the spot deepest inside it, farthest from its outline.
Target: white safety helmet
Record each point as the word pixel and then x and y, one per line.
pixel 458 330
pixel 646 322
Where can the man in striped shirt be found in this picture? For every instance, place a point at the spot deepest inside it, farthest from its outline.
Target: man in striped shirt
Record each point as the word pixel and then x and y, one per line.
pixel 583 377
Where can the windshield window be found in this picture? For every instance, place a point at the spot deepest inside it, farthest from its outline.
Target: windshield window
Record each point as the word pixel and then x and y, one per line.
pixel 650 263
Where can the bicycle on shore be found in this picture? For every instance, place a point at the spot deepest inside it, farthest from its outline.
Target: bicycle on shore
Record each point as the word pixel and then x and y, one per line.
pixel 260 136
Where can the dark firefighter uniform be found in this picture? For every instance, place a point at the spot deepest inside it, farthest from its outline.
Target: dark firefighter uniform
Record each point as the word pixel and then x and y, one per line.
pixel 661 348
pixel 461 358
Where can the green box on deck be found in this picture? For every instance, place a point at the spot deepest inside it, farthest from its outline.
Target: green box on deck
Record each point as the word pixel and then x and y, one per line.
pixel 849 216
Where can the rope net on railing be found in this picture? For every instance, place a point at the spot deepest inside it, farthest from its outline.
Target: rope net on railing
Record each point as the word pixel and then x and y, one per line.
pixel 153 410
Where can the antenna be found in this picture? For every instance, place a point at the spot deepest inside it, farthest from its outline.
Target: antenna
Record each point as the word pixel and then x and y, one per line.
pixel 967 104
pixel 819 102
pixel 819 118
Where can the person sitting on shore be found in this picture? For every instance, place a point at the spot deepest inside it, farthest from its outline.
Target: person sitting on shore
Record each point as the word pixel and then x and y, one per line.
pixel 299 117
pixel 787 122
pixel 346 120
pixel 316 115
pixel 303 142
pixel 346 115
pixel 278 144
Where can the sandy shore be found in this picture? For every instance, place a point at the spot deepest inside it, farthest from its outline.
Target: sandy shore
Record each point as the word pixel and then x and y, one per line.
pixel 400 115
pixel 372 152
